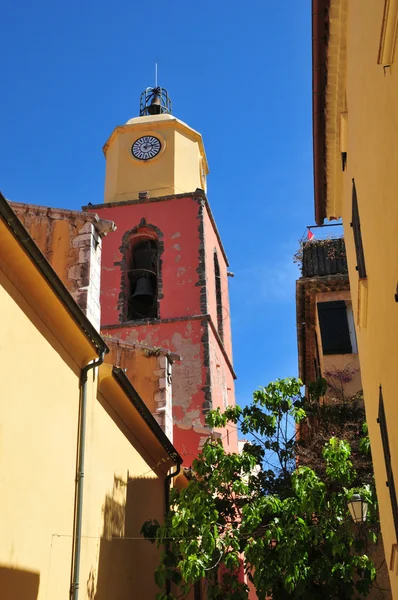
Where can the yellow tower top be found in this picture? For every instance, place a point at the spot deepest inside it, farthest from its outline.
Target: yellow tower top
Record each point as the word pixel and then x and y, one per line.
pixel 154 153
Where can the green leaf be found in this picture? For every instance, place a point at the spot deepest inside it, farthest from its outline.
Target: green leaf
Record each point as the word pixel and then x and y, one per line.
pixel 287 522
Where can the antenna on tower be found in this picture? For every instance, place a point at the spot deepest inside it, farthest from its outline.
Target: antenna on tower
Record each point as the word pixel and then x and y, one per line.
pixel 156 75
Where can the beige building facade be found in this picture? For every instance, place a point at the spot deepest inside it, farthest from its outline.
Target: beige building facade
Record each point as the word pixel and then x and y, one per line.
pixel 355 99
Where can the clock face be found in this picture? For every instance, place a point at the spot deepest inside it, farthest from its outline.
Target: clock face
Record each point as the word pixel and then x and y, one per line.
pixel 146 147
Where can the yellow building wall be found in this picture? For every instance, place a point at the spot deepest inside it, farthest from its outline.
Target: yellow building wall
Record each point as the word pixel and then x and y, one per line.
pixel 372 100
pixel 39 398
pixel 176 169
pixel 121 492
pixel 39 402
pixel 187 164
pixel 134 176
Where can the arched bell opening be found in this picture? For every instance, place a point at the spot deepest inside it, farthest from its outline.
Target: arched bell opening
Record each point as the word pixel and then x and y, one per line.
pixel 142 266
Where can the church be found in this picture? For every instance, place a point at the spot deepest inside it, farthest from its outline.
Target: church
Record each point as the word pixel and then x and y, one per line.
pixel 164 277
pixel 117 342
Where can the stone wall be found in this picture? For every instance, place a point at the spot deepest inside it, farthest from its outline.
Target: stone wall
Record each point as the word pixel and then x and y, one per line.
pixel 71 241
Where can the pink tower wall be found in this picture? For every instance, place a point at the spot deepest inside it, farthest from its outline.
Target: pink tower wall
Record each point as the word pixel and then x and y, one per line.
pixel 187 325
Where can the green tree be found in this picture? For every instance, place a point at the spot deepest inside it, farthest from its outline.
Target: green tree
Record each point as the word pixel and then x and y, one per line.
pixel 261 510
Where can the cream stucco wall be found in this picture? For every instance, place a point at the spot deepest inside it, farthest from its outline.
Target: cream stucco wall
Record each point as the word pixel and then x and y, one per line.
pixel 121 492
pixel 372 99
pixel 187 164
pixel 39 396
pixel 39 403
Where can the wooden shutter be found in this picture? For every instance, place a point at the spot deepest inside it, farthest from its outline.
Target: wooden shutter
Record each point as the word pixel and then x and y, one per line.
pixel 356 226
pixel 387 460
pixel 333 323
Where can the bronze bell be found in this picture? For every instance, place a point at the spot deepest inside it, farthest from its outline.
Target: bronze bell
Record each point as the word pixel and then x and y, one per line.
pixel 144 287
pixel 154 107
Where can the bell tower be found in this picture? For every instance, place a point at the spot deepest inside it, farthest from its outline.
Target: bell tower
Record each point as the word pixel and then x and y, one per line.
pixel 154 152
pixel 164 279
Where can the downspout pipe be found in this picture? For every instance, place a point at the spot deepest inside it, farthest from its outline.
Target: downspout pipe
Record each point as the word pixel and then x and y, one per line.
pixel 78 512
pixel 167 483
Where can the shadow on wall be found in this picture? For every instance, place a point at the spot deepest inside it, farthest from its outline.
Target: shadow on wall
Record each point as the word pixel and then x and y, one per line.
pixel 17 584
pixel 127 561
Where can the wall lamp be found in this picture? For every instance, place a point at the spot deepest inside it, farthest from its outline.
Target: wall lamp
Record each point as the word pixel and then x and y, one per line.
pixel 358 508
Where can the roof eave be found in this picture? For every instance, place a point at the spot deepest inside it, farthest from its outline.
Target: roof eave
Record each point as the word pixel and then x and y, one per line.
pixel 319 78
pixel 121 378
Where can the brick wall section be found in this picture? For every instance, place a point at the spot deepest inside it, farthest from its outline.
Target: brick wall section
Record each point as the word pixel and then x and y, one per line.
pixel 86 272
pixel 72 243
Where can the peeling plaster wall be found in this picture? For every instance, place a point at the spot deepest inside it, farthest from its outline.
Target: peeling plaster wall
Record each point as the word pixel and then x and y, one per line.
pixel 189 376
pixel 223 389
pixel 188 241
pixel 140 369
pixel 72 245
pixel 151 376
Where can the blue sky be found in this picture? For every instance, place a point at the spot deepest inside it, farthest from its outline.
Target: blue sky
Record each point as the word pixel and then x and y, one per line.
pixel 238 72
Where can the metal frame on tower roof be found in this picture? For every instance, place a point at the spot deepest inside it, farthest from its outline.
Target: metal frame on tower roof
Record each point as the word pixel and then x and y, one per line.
pixel 155 101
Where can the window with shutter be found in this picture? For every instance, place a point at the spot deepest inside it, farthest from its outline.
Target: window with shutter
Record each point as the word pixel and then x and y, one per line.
pixel 387 460
pixel 356 227
pixel 333 323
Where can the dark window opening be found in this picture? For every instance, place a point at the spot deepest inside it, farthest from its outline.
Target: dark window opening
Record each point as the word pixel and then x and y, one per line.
pixel 220 321
pixel 387 460
pixel 333 323
pixel 142 275
pixel 356 227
